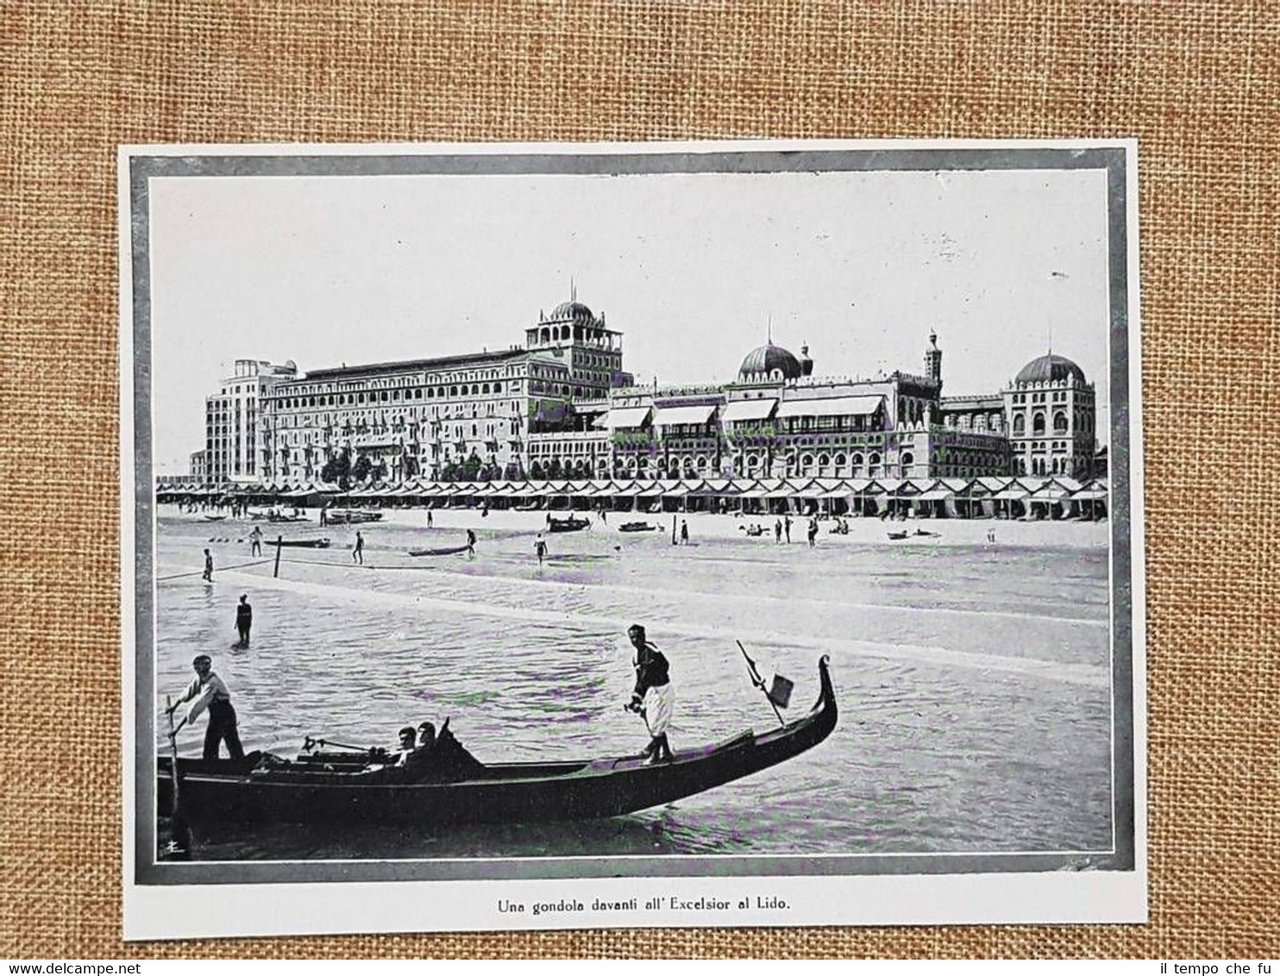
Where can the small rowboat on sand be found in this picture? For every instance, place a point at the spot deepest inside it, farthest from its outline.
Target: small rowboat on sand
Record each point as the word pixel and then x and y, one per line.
pixel 302 543
pixel 442 551
pixel 639 527
pixel 570 524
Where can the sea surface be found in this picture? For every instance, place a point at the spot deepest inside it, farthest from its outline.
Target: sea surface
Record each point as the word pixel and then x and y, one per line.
pixel 973 681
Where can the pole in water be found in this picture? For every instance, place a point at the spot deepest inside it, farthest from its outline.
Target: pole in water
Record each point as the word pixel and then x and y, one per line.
pixel 279 546
pixel 179 846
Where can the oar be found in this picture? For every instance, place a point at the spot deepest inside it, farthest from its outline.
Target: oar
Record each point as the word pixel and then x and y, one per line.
pixel 759 683
pixel 179 835
pixel 309 743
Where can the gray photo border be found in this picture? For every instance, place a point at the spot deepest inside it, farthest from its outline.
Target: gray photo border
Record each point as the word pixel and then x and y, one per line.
pixel 1114 159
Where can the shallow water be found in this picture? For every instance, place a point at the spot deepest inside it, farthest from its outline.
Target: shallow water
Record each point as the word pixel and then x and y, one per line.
pixel 974 682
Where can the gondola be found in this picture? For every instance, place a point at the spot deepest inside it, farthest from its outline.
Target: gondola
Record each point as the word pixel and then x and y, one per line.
pixel 249 791
pixel 569 524
pixel 443 551
pixel 639 527
pixel 302 543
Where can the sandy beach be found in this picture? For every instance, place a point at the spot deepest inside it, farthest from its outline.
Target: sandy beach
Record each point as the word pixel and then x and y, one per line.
pixel 862 531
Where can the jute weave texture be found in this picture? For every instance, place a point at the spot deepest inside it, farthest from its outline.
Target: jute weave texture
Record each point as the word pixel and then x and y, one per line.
pixel 1198 83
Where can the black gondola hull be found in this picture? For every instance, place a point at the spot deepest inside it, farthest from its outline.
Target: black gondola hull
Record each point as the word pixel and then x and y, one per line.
pixel 224 791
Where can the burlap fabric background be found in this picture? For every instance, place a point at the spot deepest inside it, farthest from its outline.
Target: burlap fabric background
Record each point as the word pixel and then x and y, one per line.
pixel 1199 84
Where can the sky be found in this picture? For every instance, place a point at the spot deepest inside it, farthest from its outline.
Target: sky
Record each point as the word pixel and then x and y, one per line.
pixel 694 269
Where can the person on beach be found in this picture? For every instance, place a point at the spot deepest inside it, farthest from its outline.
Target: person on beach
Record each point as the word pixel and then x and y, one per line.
pixel 207 575
pixel 429 520
pixel 653 697
pixel 786 527
pixel 209 691
pixel 684 532
pixel 777 530
pixel 540 549
pixel 255 540
pixel 244 619
pixel 324 514
pixel 471 544
pixel 813 531
pixel 357 551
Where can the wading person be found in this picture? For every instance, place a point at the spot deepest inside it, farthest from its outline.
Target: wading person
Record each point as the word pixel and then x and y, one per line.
pixel 540 549
pixel 357 551
pixel 255 541
pixel 207 575
pixel 684 532
pixel 244 619
pixel 653 696
pixel 471 543
pixel 209 691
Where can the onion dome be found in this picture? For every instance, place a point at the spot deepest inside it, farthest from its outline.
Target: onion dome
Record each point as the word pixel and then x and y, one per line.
pixel 574 312
pixel 769 362
pixel 1050 369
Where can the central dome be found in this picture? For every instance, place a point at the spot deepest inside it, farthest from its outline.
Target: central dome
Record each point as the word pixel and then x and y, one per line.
pixel 571 312
pixel 769 362
pixel 1050 369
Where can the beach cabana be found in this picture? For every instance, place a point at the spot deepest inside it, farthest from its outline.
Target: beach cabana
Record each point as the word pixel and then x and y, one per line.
pixel 1052 498
pixel 1091 500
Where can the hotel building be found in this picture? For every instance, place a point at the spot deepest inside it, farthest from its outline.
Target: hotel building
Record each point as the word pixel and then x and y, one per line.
pixel 561 406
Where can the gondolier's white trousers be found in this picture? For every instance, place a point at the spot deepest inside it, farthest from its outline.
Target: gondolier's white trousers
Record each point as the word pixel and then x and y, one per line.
pixel 659 703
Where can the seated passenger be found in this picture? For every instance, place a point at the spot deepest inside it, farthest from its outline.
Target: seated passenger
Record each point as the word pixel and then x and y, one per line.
pixel 407 746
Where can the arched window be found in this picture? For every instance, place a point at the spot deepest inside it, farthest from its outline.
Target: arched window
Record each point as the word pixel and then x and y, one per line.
pixel 753 461
pixel 806 462
pixel 1060 422
pixel 841 460
pixel 453 391
pixel 856 460
pixel 1019 425
pixel 824 460
pixel 908 459
pixel 701 463
pixel 484 388
pixel 1037 424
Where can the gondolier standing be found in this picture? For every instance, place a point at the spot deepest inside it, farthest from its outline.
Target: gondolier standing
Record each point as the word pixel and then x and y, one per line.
pixel 209 691
pixel 653 696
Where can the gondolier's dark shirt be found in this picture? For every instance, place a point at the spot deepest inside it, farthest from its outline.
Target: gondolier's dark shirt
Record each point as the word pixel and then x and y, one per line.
pixel 652 671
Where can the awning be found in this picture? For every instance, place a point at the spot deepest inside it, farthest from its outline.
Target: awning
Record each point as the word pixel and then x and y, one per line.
pixel 1012 495
pixel 748 410
pixel 831 407
pixel 698 414
pixel 626 418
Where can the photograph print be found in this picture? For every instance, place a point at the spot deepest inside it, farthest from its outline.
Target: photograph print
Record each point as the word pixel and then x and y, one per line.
pixel 689 534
